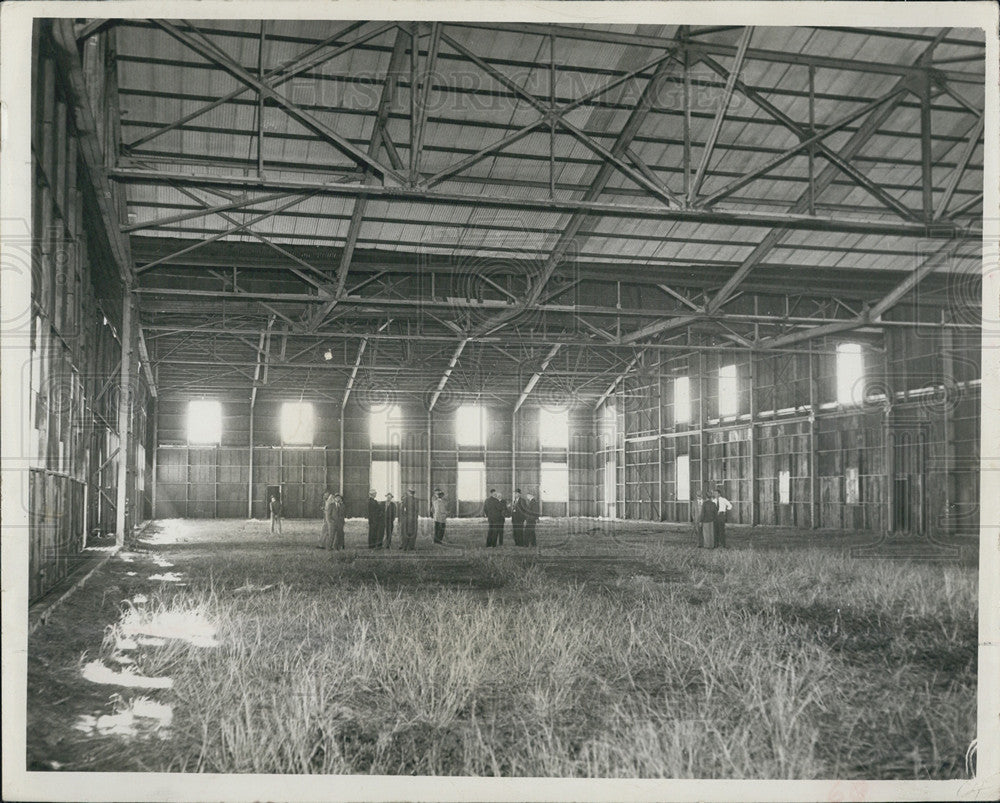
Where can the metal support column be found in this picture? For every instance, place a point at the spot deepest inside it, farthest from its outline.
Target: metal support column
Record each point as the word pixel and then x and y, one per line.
pixel 124 415
pixel 813 463
pixel 250 465
pixel 753 448
pixel 341 472
pixel 513 451
pixel 948 380
pixel 659 442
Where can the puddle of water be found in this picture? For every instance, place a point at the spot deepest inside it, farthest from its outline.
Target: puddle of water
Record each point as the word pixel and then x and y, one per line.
pixel 167 577
pixel 97 672
pixel 189 626
pixel 142 717
pixel 163 564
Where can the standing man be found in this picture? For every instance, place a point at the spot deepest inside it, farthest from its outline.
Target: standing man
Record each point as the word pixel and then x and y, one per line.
pixel 439 512
pixel 408 520
pixel 532 514
pixel 709 510
pixel 375 523
pixel 337 521
pixel 517 517
pixel 724 506
pixel 495 510
pixel 699 500
pixel 327 539
pixel 275 507
pixel 389 517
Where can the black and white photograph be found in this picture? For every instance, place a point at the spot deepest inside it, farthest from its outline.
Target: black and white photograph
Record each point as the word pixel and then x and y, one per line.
pixel 500 401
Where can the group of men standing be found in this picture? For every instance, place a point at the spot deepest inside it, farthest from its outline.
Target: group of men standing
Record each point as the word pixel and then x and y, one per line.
pixel 382 517
pixel 522 511
pixel 710 511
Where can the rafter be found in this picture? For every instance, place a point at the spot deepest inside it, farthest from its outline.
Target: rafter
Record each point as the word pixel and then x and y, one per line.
pixel 212 53
pixel 536 376
pixel 447 373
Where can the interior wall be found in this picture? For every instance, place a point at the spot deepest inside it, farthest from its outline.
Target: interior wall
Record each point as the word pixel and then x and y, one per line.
pixel 213 481
pixel 905 459
pixel 73 338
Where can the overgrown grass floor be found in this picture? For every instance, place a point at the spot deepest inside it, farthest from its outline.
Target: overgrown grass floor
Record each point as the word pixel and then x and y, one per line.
pixel 607 652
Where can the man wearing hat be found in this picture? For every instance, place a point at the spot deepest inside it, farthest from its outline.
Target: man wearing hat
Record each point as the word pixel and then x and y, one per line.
pixel 495 510
pixel 375 522
pixel 439 512
pixel 389 517
pixel 337 521
pixel 517 517
pixel 408 520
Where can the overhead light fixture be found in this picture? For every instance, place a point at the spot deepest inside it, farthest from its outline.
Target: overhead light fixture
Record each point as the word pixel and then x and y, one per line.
pixel 328 355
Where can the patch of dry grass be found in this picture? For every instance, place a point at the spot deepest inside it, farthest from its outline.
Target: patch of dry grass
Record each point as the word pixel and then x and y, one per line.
pixel 682 663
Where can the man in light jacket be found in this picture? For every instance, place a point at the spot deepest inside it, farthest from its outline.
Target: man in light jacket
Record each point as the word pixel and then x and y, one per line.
pixel 724 506
pixel 439 512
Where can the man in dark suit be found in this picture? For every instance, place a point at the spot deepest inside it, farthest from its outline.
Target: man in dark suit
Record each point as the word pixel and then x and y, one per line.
pixel 532 514
pixel 517 508
pixel 495 510
pixel 408 520
pixel 375 522
pixel 389 517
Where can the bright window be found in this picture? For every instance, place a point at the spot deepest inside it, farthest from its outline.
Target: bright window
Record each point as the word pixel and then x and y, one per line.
pixel 555 482
pixel 470 425
pixel 850 373
pixel 682 400
pixel 784 487
pixel 384 424
pixel 297 423
pixel 471 481
pixel 204 422
pixel 683 478
pixel 385 477
pixel 610 484
pixel 729 399
pixel 553 429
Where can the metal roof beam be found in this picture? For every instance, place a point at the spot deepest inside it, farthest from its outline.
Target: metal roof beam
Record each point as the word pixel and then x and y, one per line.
pixel 536 376
pixel 386 100
pixel 280 75
pixel 721 217
pixel 447 373
pixel 618 379
pixel 720 115
pixel 960 167
pixel 205 48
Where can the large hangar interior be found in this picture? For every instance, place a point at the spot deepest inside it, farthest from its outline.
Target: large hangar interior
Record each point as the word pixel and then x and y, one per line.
pixel 616 267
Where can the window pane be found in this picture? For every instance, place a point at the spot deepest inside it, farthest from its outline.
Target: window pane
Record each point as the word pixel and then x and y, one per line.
pixel 470 425
pixel 385 478
pixel 850 373
pixel 555 482
pixel 204 422
pixel 682 400
pixel 296 423
pixel 384 424
pixel 471 482
pixel 683 478
pixel 553 429
pixel 784 487
pixel 729 400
